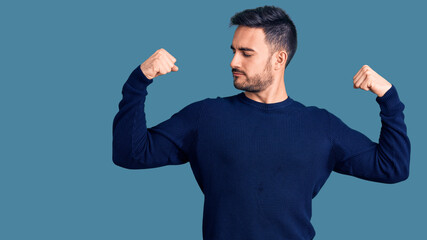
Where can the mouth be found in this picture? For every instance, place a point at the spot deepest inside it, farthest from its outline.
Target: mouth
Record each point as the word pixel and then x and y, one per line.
pixel 237 74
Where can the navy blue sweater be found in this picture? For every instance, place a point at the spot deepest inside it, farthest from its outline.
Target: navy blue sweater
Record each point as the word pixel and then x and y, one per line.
pixel 258 165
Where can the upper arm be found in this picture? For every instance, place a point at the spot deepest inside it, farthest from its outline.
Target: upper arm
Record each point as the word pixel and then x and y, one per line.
pixel 169 142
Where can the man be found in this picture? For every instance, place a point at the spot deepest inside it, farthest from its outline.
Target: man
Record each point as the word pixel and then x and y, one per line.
pixel 259 156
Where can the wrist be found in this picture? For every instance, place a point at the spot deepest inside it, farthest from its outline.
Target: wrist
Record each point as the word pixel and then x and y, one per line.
pixel 382 93
pixel 144 72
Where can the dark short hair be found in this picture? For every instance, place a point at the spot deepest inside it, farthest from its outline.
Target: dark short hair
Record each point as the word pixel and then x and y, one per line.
pixel 280 31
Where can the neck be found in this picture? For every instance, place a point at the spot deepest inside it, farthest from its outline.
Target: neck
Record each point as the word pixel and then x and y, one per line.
pixel 272 94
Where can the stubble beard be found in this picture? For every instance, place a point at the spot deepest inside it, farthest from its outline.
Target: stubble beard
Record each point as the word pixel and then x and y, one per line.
pixel 257 83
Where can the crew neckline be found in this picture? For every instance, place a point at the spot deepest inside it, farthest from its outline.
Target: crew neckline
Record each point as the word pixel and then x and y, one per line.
pixel 265 106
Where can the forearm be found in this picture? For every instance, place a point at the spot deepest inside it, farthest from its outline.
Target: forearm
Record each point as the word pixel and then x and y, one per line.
pixel 386 161
pixel 393 150
pixel 129 124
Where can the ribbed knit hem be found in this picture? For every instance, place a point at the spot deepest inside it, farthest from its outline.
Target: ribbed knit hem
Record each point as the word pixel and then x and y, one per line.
pixel 390 101
pixel 138 80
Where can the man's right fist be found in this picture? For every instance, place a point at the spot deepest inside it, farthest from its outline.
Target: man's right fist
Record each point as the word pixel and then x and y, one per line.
pixel 160 63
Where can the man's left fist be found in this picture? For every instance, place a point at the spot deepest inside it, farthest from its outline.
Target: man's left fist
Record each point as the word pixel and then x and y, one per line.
pixel 367 79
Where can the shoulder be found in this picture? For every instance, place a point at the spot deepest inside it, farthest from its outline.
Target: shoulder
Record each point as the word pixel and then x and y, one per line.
pixel 213 101
pixel 315 111
pixel 205 102
pixel 201 104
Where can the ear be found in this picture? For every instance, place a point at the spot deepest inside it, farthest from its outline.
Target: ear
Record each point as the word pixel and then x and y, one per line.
pixel 281 58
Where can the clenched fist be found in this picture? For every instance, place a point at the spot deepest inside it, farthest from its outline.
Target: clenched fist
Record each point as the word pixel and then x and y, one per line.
pixel 160 63
pixel 367 79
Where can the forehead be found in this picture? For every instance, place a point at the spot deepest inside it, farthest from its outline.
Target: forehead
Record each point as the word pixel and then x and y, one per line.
pixel 249 37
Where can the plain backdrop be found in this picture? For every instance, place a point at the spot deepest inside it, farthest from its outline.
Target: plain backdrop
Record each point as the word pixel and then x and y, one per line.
pixel 64 63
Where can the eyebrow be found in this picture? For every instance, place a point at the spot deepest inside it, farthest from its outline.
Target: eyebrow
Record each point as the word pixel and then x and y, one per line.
pixel 243 48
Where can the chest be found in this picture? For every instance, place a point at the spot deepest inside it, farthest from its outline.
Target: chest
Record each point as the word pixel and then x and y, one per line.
pixel 265 142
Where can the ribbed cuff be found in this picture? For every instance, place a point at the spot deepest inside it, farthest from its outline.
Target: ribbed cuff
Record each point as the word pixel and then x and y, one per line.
pixel 138 80
pixel 390 102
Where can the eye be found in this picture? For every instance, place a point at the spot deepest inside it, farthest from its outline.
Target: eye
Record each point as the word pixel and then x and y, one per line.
pixel 244 54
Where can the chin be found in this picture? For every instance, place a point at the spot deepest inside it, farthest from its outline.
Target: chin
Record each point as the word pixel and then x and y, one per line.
pixel 238 86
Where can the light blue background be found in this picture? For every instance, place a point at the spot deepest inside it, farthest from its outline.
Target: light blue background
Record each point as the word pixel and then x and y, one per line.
pixel 63 65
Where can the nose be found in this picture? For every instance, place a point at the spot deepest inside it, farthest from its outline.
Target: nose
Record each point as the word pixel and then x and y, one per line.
pixel 235 62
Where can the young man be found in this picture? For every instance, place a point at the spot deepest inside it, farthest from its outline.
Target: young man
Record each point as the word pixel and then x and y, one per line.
pixel 259 157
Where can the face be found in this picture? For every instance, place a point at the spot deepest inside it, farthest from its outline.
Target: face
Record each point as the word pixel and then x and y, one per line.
pixel 251 61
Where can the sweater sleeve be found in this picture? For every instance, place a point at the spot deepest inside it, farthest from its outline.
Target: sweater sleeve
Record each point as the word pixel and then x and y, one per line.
pixel 135 146
pixel 386 161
